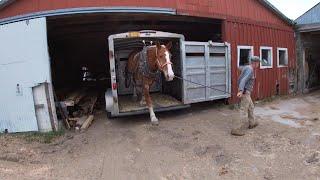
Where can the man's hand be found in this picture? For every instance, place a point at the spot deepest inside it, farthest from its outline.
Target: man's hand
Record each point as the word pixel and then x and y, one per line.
pixel 239 95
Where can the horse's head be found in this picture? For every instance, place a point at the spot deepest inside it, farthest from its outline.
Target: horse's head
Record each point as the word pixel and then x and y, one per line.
pixel 164 60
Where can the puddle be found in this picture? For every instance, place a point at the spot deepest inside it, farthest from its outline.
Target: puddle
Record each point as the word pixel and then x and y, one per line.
pixel 288 122
pixel 313 99
pixel 286 112
pixel 315 134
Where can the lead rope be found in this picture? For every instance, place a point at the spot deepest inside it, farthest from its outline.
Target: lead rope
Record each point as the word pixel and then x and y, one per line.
pixel 202 85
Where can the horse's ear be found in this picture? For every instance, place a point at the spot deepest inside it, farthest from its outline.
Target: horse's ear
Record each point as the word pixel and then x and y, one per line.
pixel 169 45
pixel 158 45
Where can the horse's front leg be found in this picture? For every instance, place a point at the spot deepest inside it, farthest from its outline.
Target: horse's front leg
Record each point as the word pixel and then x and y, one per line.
pixel 154 119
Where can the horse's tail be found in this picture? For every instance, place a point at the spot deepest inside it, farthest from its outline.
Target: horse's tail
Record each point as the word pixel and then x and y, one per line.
pixel 127 76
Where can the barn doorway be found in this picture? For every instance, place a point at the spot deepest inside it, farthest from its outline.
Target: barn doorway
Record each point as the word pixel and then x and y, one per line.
pixel 78 45
pixel 311 60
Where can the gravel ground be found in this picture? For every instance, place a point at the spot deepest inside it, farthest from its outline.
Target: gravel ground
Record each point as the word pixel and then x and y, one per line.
pixel 189 144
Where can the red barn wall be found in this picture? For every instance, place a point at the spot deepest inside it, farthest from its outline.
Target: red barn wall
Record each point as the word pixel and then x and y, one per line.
pixel 237 9
pixel 243 33
pixel 247 22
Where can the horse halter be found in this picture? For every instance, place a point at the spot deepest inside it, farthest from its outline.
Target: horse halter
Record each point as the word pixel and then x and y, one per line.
pixel 158 62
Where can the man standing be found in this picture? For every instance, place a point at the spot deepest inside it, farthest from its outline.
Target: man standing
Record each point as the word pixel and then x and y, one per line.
pixel 245 85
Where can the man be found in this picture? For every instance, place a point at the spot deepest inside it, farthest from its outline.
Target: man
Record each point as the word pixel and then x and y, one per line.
pixel 245 85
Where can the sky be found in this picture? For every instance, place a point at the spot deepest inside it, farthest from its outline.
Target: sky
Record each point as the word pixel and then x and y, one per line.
pixel 294 8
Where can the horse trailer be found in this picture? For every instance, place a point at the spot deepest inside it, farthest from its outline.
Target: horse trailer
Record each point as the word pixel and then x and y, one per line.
pixel 204 69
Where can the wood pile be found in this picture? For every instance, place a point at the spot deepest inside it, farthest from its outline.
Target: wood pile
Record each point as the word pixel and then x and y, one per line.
pixel 75 97
pixel 78 108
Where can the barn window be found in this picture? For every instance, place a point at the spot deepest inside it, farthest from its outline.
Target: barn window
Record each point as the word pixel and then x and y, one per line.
pixel 266 57
pixel 282 57
pixel 244 53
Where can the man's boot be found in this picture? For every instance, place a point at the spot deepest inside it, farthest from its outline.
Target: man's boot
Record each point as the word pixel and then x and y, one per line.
pixel 238 131
pixel 253 124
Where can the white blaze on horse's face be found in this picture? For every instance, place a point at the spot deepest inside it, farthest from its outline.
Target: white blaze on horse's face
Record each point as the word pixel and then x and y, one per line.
pixel 170 73
pixel 167 69
pixel 164 61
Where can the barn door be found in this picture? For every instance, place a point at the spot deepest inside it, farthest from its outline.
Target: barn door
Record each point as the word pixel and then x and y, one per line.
pixel 24 64
pixel 207 64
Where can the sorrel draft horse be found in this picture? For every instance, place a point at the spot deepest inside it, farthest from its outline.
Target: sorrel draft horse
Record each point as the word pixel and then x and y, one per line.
pixel 143 67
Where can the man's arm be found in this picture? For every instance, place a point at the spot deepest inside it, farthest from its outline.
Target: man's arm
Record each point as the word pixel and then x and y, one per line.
pixel 242 82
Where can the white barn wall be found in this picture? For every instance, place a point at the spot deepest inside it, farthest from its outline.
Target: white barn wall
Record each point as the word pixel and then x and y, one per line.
pixel 24 64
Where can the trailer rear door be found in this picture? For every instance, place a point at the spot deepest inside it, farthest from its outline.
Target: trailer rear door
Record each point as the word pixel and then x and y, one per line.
pixel 207 64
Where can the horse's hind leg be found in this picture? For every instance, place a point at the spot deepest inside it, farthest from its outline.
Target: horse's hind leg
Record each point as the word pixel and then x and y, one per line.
pixel 154 119
pixel 135 95
pixel 137 90
pixel 143 100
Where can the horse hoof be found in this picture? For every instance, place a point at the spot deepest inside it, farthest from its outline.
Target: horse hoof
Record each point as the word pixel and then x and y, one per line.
pixel 154 121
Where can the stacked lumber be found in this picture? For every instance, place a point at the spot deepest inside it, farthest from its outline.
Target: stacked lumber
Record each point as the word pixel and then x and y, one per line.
pixel 87 123
pixel 79 106
pixel 75 97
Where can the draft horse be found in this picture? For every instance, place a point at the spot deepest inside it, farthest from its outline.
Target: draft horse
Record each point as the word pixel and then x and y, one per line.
pixel 142 69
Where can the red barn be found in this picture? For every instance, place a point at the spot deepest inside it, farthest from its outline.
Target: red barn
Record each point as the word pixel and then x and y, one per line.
pixel 77 32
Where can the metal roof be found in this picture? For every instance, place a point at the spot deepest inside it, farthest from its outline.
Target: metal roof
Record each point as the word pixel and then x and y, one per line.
pixel 4 3
pixel 266 3
pixel 312 16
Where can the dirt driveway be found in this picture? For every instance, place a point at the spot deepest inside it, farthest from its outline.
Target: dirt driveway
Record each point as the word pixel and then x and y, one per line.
pixel 189 144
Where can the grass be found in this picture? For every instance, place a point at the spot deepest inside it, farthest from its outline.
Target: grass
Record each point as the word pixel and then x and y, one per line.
pixel 233 106
pixel 45 138
pixel 262 101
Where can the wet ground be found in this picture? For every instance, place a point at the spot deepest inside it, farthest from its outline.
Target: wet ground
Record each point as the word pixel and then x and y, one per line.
pixel 189 144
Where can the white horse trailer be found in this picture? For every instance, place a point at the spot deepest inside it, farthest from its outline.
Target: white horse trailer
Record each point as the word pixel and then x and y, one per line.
pixel 205 63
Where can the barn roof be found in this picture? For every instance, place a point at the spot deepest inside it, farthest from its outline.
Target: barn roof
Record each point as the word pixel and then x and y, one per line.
pixel 310 17
pixel 266 3
pixel 4 3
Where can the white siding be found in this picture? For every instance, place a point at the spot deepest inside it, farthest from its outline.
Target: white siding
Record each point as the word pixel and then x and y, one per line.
pixel 24 63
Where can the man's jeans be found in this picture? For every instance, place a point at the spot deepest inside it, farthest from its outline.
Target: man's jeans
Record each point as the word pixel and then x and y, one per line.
pixel 245 111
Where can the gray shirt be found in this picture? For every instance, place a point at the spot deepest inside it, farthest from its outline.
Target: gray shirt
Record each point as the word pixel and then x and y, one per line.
pixel 246 79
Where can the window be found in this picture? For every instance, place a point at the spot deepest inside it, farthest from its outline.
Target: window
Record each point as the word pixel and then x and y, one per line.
pixel 244 53
pixel 266 57
pixel 282 57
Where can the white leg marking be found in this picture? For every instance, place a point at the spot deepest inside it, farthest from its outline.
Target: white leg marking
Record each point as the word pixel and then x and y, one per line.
pixel 154 119
pixel 134 95
pixel 134 91
pixel 143 101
